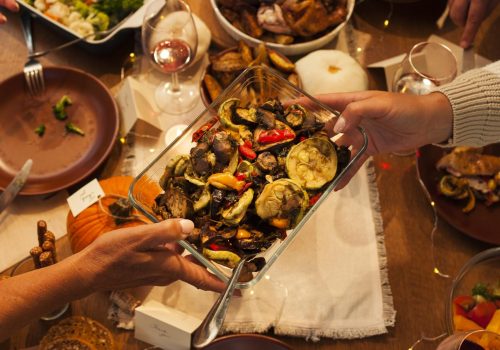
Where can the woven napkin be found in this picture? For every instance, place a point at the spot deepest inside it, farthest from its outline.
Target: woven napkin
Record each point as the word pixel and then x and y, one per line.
pixel 331 281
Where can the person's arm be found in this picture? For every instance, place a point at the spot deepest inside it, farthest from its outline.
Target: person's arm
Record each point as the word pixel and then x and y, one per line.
pixel 125 258
pixel 9 4
pixel 475 100
pixel 470 14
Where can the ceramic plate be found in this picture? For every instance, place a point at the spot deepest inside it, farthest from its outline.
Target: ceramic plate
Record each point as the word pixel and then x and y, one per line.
pixel 482 223
pixel 247 342
pixel 60 159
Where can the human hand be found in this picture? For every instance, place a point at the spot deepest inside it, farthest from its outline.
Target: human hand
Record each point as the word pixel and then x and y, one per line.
pixel 9 4
pixel 393 122
pixel 470 14
pixel 143 255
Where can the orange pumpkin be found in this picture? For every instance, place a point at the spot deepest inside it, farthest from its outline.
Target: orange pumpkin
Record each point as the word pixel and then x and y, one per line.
pixel 94 221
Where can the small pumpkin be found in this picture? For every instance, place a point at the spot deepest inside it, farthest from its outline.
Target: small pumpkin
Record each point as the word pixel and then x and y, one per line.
pixel 96 219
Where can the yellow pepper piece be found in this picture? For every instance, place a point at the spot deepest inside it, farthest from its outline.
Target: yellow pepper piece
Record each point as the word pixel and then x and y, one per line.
pixel 280 222
pixel 225 181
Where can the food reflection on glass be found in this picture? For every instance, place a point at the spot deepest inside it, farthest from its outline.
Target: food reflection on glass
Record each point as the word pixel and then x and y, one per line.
pixel 470 175
pixel 426 66
pixel 169 39
pixel 473 340
pixel 86 17
pixel 249 178
pixel 228 64
pixel 284 22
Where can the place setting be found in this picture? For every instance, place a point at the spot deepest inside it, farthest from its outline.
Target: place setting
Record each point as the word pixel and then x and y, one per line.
pixel 214 112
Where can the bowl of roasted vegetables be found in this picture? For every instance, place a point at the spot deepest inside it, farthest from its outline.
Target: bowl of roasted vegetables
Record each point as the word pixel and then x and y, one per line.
pixel 474 301
pixel 98 22
pixel 226 65
pixel 291 27
pixel 249 172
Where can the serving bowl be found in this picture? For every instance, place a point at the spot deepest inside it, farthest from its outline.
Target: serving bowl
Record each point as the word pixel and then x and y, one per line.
pixel 291 49
pixel 270 85
pixel 484 268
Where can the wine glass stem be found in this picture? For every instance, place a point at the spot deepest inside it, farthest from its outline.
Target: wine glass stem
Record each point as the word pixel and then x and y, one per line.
pixel 175 87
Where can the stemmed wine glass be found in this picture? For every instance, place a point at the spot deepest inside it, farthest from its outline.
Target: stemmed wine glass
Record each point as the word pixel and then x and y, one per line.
pixel 427 66
pixel 169 39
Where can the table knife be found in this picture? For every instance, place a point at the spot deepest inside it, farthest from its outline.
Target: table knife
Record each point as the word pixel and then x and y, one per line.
pixel 468 59
pixel 15 185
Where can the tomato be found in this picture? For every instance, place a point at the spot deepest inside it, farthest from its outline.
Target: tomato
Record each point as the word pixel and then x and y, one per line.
pixel 482 313
pixel 466 302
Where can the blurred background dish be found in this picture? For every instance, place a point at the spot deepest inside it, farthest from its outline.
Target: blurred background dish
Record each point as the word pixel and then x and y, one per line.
pixel 226 65
pixel 277 41
pixel 247 342
pixel 474 299
pixel 60 159
pixel 482 222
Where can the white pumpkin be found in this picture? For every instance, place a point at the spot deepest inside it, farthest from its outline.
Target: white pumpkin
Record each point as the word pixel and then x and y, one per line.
pixel 326 71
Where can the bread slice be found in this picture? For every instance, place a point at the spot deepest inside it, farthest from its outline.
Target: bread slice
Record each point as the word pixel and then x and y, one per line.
pixel 79 327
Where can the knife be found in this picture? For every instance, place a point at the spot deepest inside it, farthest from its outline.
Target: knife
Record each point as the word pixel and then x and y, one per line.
pixel 468 59
pixel 15 185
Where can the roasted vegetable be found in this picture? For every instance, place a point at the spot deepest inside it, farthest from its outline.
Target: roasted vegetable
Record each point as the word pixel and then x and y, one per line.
pixel 59 109
pixel 269 139
pixel 234 214
pixel 72 128
pixel 312 163
pixel 280 61
pixel 40 130
pixel 213 87
pixel 282 199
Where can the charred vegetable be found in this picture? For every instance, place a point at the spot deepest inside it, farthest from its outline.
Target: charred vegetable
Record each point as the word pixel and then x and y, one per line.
pixel 282 203
pixel 59 109
pixel 312 163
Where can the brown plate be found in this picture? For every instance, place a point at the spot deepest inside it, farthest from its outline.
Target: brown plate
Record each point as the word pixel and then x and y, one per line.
pixel 247 342
pixel 60 159
pixel 482 223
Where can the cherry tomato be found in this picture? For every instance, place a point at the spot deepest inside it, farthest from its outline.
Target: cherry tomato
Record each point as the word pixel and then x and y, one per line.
pixel 482 313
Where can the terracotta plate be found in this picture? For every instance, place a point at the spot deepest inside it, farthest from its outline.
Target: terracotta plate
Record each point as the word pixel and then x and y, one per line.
pixel 247 342
pixel 60 159
pixel 482 223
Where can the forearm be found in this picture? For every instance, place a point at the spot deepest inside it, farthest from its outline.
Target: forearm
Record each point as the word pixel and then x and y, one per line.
pixel 30 295
pixel 475 99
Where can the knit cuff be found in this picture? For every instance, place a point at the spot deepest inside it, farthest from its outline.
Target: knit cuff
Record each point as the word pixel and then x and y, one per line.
pixel 475 100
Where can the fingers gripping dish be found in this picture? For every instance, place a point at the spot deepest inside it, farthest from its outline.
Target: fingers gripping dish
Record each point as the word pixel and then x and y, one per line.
pixel 249 178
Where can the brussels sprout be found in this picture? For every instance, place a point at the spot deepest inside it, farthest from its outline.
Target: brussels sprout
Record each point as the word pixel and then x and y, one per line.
pixel 312 163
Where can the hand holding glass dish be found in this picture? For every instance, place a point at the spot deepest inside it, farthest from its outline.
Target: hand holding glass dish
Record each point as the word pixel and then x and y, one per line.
pixel 246 182
pixel 169 40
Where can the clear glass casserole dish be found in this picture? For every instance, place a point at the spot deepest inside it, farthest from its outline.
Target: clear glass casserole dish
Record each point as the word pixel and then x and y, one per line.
pixel 268 84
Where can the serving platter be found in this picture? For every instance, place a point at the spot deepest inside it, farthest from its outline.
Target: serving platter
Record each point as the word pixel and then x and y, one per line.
pixel 60 159
pixel 482 223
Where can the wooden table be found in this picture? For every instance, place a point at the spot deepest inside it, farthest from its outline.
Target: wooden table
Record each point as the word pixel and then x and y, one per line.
pixel 419 295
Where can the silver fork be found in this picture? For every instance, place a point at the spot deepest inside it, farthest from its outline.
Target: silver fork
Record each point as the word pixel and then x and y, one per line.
pixel 33 70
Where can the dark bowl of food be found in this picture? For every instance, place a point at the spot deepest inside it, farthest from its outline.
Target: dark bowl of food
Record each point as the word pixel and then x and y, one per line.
pixel 290 27
pixel 249 171
pixel 227 65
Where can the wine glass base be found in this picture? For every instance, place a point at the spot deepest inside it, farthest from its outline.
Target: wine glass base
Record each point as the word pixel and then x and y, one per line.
pixel 177 102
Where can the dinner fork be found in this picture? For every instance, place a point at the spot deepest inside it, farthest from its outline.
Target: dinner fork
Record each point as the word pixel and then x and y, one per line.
pixel 33 70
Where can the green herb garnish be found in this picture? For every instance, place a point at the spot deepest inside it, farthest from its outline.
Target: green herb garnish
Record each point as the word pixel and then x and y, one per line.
pixel 40 130
pixel 59 109
pixel 70 127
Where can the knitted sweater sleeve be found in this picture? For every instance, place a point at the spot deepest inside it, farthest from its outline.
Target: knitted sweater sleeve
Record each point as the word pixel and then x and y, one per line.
pixel 475 99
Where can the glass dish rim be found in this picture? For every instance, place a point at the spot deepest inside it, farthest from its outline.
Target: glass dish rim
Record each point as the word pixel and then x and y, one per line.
pixel 480 257
pixel 291 233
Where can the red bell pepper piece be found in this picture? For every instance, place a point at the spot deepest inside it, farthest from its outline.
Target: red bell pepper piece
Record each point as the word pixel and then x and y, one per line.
pixel 465 302
pixel 203 129
pixel 482 313
pixel 314 199
pixel 275 135
pixel 240 176
pixel 247 151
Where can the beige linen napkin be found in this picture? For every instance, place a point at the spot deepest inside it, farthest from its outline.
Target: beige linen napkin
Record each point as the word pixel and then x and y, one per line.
pixel 330 282
pixel 18 224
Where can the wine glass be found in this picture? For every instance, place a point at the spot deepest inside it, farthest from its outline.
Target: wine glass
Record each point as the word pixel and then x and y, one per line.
pixel 427 66
pixel 169 40
pixel 473 340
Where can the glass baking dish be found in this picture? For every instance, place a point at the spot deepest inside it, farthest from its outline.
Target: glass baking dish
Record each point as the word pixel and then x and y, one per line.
pixel 269 84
